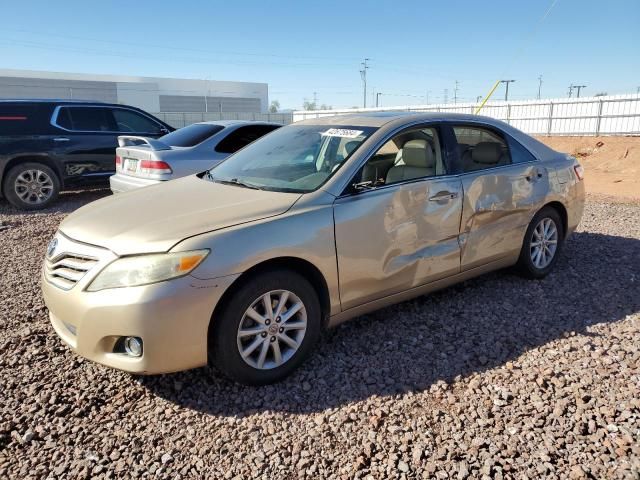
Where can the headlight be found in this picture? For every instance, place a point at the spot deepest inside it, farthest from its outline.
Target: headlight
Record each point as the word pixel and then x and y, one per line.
pixel 145 269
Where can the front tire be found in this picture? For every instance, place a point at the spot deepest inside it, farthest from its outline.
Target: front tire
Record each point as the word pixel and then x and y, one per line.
pixel 31 186
pixel 267 328
pixel 542 244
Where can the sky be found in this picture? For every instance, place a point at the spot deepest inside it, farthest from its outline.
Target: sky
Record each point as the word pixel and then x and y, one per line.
pixel 314 49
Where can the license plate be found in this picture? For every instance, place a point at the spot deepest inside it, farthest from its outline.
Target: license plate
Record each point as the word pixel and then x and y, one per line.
pixel 132 165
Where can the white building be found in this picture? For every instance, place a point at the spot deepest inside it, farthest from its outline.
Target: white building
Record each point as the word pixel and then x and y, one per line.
pixel 152 94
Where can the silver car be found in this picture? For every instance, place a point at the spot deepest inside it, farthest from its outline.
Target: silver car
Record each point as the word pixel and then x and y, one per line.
pixel 142 161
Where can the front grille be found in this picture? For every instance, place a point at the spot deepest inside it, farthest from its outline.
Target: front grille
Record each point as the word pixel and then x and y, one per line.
pixel 65 270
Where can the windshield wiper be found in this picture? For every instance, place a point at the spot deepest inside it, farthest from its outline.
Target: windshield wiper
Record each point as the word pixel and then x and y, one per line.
pixel 233 181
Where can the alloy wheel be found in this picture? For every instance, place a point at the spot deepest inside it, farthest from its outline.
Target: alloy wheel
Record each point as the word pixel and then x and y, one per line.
pixel 33 186
pixel 544 243
pixel 272 329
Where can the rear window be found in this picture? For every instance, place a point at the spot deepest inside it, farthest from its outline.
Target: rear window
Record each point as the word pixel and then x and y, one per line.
pixel 22 119
pixel 190 135
pixel 243 136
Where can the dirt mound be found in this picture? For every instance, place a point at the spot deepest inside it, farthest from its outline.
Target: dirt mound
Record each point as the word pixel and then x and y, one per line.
pixel 612 164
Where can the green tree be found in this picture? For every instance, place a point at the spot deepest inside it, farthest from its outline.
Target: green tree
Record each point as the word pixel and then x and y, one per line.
pixel 307 105
pixel 274 107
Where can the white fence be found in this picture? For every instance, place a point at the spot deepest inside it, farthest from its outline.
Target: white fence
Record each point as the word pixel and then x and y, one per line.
pixel 610 115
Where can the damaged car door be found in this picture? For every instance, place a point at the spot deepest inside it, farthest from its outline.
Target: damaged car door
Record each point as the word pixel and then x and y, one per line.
pixel 504 184
pixel 397 225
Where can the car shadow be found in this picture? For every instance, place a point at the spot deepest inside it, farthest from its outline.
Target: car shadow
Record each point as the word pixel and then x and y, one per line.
pixel 472 327
pixel 67 202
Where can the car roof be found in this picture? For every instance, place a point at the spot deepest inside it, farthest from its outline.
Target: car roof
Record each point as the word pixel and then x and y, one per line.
pixel 378 119
pixel 391 120
pixel 228 123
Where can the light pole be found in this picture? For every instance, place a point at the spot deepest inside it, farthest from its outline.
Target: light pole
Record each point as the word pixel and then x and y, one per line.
pixel 539 86
pixel 378 99
pixel 455 92
pixel 363 75
pixel 579 87
pixel 506 90
pixel 478 98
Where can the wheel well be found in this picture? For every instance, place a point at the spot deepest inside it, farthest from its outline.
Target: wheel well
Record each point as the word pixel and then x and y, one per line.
pixel 562 211
pixel 29 158
pixel 303 267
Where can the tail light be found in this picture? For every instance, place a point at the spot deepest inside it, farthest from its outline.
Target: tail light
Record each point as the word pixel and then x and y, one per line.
pixel 579 171
pixel 118 162
pixel 154 167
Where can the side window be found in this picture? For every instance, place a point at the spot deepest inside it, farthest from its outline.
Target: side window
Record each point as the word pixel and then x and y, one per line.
pixel 480 148
pixel 412 154
pixel 133 122
pixel 242 137
pixel 86 119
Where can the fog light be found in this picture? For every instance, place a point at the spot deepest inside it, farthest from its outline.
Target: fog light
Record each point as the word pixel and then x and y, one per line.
pixel 133 346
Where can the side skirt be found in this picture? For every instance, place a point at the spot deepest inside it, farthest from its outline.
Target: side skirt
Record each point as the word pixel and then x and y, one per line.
pixel 421 290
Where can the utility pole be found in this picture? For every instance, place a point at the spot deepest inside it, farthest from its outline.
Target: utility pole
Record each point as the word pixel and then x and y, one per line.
pixel 378 99
pixel 429 91
pixel 579 87
pixel 315 100
pixel 363 75
pixel 455 92
pixel 446 95
pixel 539 86
pixel 571 87
pixel 506 90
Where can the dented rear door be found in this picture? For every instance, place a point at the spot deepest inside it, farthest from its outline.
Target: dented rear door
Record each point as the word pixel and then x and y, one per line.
pixel 498 206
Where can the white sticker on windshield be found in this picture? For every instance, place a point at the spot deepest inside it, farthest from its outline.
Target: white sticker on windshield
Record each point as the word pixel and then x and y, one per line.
pixel 342 132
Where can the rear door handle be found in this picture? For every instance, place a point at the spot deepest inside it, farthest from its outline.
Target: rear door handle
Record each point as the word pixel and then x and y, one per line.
pixel 535 176
pixel 442 196
pixel 61 139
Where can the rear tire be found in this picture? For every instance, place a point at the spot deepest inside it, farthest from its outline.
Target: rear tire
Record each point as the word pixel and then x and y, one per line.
pixel 266 329
pixel 542 244
pixel 31 186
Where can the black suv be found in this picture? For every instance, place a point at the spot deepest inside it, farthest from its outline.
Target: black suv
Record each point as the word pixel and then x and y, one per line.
pixel 48 145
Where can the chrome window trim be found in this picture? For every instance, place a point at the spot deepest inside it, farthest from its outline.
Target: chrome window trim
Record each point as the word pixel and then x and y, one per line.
pixel 449 176
pixel 56 112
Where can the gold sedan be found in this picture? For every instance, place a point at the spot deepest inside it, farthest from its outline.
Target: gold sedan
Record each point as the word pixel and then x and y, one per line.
pixel 313 224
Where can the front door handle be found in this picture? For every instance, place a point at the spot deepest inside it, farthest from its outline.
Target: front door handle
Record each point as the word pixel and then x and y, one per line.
pixel 442 196
pixel 61 139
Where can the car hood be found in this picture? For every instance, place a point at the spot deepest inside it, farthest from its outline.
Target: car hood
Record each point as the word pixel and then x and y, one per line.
pixel 155 218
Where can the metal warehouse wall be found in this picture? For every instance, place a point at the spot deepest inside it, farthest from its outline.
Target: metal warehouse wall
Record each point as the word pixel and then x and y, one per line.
pixel 609 115
pixel 20 87
pixel 149 93
pixel 192 103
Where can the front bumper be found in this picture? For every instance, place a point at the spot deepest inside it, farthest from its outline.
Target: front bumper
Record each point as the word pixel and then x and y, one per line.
pixel 123 183
pixel 171 317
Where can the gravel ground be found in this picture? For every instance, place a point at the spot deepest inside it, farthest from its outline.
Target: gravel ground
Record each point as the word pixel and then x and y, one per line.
pixel 496 378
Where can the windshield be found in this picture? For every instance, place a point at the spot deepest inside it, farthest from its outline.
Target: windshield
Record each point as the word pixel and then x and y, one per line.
pixel 190 136
pixel 296 158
